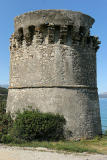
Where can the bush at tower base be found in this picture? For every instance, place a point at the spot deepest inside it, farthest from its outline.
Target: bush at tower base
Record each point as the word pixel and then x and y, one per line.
pixel 34 125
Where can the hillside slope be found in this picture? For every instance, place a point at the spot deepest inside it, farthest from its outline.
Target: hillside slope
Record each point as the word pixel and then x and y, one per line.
pixel 3 94
pixel 103 95
pixel 3 90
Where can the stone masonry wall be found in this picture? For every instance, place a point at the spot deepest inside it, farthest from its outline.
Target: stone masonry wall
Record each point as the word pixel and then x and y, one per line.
pixel 53 68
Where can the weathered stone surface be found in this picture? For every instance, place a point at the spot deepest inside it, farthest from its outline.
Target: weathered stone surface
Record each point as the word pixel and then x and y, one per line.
pixel 53 68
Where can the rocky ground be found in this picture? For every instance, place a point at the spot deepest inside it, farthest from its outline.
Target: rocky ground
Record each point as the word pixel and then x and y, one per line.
pixel 26 153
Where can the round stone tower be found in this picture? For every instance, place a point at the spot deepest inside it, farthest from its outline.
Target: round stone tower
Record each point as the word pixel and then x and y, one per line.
pixel 53 68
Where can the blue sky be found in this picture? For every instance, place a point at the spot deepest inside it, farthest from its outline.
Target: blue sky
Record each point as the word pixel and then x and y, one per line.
pixel 95 8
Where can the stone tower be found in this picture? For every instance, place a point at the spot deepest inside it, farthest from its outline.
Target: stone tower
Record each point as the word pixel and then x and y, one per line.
pixel 53 68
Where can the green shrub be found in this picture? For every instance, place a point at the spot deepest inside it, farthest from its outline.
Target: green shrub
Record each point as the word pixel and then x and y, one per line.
pixel 6 123
pixel 30 125
pixel 5 120
pixel 6 139
pixel 0 136
pixel 34 125
pixel 2 107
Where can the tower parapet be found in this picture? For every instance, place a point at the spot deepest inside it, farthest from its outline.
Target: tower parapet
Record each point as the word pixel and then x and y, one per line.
pixel 53 68
pixel 69 26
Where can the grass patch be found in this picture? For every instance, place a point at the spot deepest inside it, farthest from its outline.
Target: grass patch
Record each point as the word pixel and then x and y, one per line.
pixel 97 145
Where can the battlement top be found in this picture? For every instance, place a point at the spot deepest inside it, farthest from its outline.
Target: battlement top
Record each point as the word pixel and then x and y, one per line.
pixel 53 17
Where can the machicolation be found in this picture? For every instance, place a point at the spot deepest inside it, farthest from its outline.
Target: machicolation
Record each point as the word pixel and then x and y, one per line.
pixel 53 68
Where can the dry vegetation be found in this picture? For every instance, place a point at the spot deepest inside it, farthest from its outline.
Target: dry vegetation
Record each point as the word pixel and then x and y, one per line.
pixel 97 145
